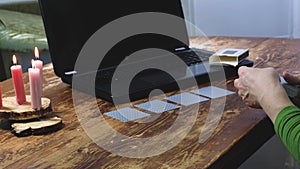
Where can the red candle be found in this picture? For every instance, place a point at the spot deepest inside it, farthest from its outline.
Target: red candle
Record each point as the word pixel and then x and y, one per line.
pixel 34 81
pixel 16 73
pixel 39 64
pixel 1 105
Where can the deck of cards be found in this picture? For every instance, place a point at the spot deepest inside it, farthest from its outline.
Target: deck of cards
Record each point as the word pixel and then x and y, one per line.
pixel 228 56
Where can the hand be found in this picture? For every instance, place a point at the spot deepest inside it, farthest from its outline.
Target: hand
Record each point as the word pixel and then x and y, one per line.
pixel 261 88
pixel 253 84
pixel 292 77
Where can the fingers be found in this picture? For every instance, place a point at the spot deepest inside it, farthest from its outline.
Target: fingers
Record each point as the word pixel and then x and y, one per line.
pixel 244 95
pixel 241 90
pixel 292 78
pixel 257 86
pixel 249 99
pixel 242 70
pixel 236 83
pixel 243 85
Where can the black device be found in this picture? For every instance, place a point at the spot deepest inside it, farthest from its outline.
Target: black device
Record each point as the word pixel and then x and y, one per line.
pixel 69 24
pixel 293 91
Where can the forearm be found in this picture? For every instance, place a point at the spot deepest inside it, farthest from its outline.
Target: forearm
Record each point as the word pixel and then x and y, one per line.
pixel 287 127
pixel 273 103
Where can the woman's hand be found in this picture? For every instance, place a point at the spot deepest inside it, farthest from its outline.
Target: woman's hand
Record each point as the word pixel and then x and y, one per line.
pixel 261 88
pixel 292 77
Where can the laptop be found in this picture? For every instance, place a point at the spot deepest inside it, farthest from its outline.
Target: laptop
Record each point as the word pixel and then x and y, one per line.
pixel 69 24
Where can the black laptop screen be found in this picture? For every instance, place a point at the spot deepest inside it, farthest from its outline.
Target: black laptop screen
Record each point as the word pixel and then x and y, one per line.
pixel 70 23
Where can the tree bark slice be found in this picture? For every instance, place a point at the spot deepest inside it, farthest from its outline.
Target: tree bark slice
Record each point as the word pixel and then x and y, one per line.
pixel 12 111
pixel 37 127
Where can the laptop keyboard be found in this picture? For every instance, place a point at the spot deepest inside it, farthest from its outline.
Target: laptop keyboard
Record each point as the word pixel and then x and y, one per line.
pixel 194 56
pixel 190 57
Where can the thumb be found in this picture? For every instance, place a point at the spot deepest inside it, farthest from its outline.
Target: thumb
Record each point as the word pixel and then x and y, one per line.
pixel 292 78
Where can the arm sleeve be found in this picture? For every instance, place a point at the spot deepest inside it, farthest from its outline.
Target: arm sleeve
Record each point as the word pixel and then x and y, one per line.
pixel 287 127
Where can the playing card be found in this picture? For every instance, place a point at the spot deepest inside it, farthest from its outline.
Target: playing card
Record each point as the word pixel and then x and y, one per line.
pixel 157 106
pixel 212 92
pixel 186 99
pixel 126 114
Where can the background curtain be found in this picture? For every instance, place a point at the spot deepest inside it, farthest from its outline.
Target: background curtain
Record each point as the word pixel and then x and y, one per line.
pixel 189 14
pixel 248 18
pixel 296 18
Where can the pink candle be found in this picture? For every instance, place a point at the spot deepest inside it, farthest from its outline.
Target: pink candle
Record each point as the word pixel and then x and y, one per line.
pixel 34 81
pixel 1 105
pixel 16 73
pixel 39 64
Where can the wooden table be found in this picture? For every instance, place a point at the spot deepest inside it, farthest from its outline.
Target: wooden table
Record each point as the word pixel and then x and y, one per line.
pixel 240 132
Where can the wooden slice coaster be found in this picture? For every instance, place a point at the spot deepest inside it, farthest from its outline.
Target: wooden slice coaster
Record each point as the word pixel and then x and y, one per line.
pixel 37 127
pixel 12 111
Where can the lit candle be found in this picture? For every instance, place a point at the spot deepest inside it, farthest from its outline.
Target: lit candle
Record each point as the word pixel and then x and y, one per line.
pixel 34 82
pixel 16 73
pixel 39 64
pixel 1 105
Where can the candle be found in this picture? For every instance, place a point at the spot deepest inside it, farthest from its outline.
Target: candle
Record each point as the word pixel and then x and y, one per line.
pixel 39 64
pixel 34 82
pixel 16 73
pixel 1 105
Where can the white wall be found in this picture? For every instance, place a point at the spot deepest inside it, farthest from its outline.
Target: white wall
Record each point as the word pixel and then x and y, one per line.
pixel 251 18
pixel 296 18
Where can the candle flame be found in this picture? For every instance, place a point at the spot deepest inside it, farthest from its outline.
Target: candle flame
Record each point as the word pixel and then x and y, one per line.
pixel 36 53
pixel 32 63
pixel 14 58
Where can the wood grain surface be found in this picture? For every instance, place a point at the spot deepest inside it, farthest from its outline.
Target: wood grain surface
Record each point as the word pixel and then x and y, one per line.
pixel 12 111
pixel 239 133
